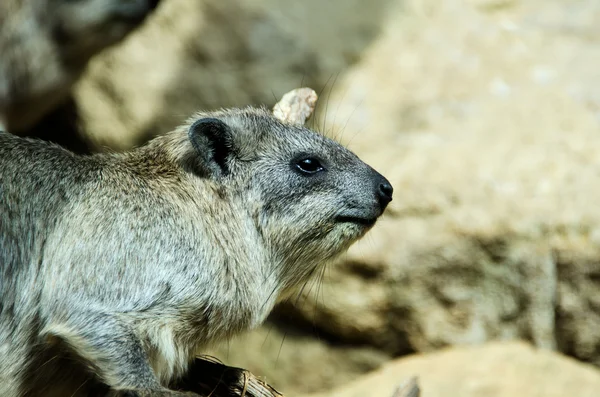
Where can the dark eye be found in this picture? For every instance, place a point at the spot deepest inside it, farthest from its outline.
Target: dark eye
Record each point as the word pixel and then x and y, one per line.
pixel 309 165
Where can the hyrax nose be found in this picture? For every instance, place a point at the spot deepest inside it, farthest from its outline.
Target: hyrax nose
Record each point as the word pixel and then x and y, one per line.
pixel 385 192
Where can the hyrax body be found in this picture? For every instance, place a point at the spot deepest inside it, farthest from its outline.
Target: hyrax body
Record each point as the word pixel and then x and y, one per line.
pixel 45 46
pixel 116 269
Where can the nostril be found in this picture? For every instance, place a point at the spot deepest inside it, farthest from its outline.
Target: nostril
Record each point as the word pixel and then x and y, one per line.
pixel 386 191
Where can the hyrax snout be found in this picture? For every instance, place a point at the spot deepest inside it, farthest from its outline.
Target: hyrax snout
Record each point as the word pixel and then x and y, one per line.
pixel 117 269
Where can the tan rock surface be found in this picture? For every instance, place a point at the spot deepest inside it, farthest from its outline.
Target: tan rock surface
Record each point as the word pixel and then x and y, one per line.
pixel 486 121
pixel 208 54
pixel 493 370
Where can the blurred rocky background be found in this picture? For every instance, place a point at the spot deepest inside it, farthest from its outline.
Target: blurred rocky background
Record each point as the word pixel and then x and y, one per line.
pixel 484 115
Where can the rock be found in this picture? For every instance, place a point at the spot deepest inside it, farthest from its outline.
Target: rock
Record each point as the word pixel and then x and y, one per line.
pixel 487 123
pixel 496 369
pixel 202 55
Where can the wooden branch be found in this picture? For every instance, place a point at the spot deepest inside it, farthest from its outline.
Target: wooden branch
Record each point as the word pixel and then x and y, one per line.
pixel 208 377
pixel 211 378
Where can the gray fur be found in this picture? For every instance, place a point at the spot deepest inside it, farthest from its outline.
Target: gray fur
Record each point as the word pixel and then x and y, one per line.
pixel 45 46
pixel 117 269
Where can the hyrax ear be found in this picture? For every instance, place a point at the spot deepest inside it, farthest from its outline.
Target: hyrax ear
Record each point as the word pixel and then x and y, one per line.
pixel 212 141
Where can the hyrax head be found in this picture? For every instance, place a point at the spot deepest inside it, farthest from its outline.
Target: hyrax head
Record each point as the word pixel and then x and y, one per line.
pixel 81 28
pixel 309 197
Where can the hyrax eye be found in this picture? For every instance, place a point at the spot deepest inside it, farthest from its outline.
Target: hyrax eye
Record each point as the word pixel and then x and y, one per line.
pixel 309 166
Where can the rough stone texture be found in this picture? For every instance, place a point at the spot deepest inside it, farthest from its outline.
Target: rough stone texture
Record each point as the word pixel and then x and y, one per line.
pixel 485 116
pixel 493 370
pixel 487 123
pixel 206 54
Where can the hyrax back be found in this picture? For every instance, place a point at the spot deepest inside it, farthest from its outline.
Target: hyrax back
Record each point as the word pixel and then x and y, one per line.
pixel 45 46
pixel 116 269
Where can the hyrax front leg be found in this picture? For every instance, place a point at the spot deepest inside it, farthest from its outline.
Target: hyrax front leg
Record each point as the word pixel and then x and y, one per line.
pixel 114 353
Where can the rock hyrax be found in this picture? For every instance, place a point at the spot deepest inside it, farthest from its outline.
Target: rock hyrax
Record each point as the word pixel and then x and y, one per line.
pixel 117 269
pixel 45 46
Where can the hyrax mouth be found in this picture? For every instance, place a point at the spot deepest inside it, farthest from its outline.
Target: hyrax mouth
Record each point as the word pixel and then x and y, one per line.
pixel 367 222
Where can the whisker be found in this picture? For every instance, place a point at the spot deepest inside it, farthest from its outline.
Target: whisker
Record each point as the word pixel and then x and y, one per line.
pixel 280 347
pixel 327 102
pixel 271 325
pixel 350 117
pixel 269 297
pixel 319 284
pixel 274 96
pixel 317 107
pixel 337 111
pixel 310 276
pixel 80 386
